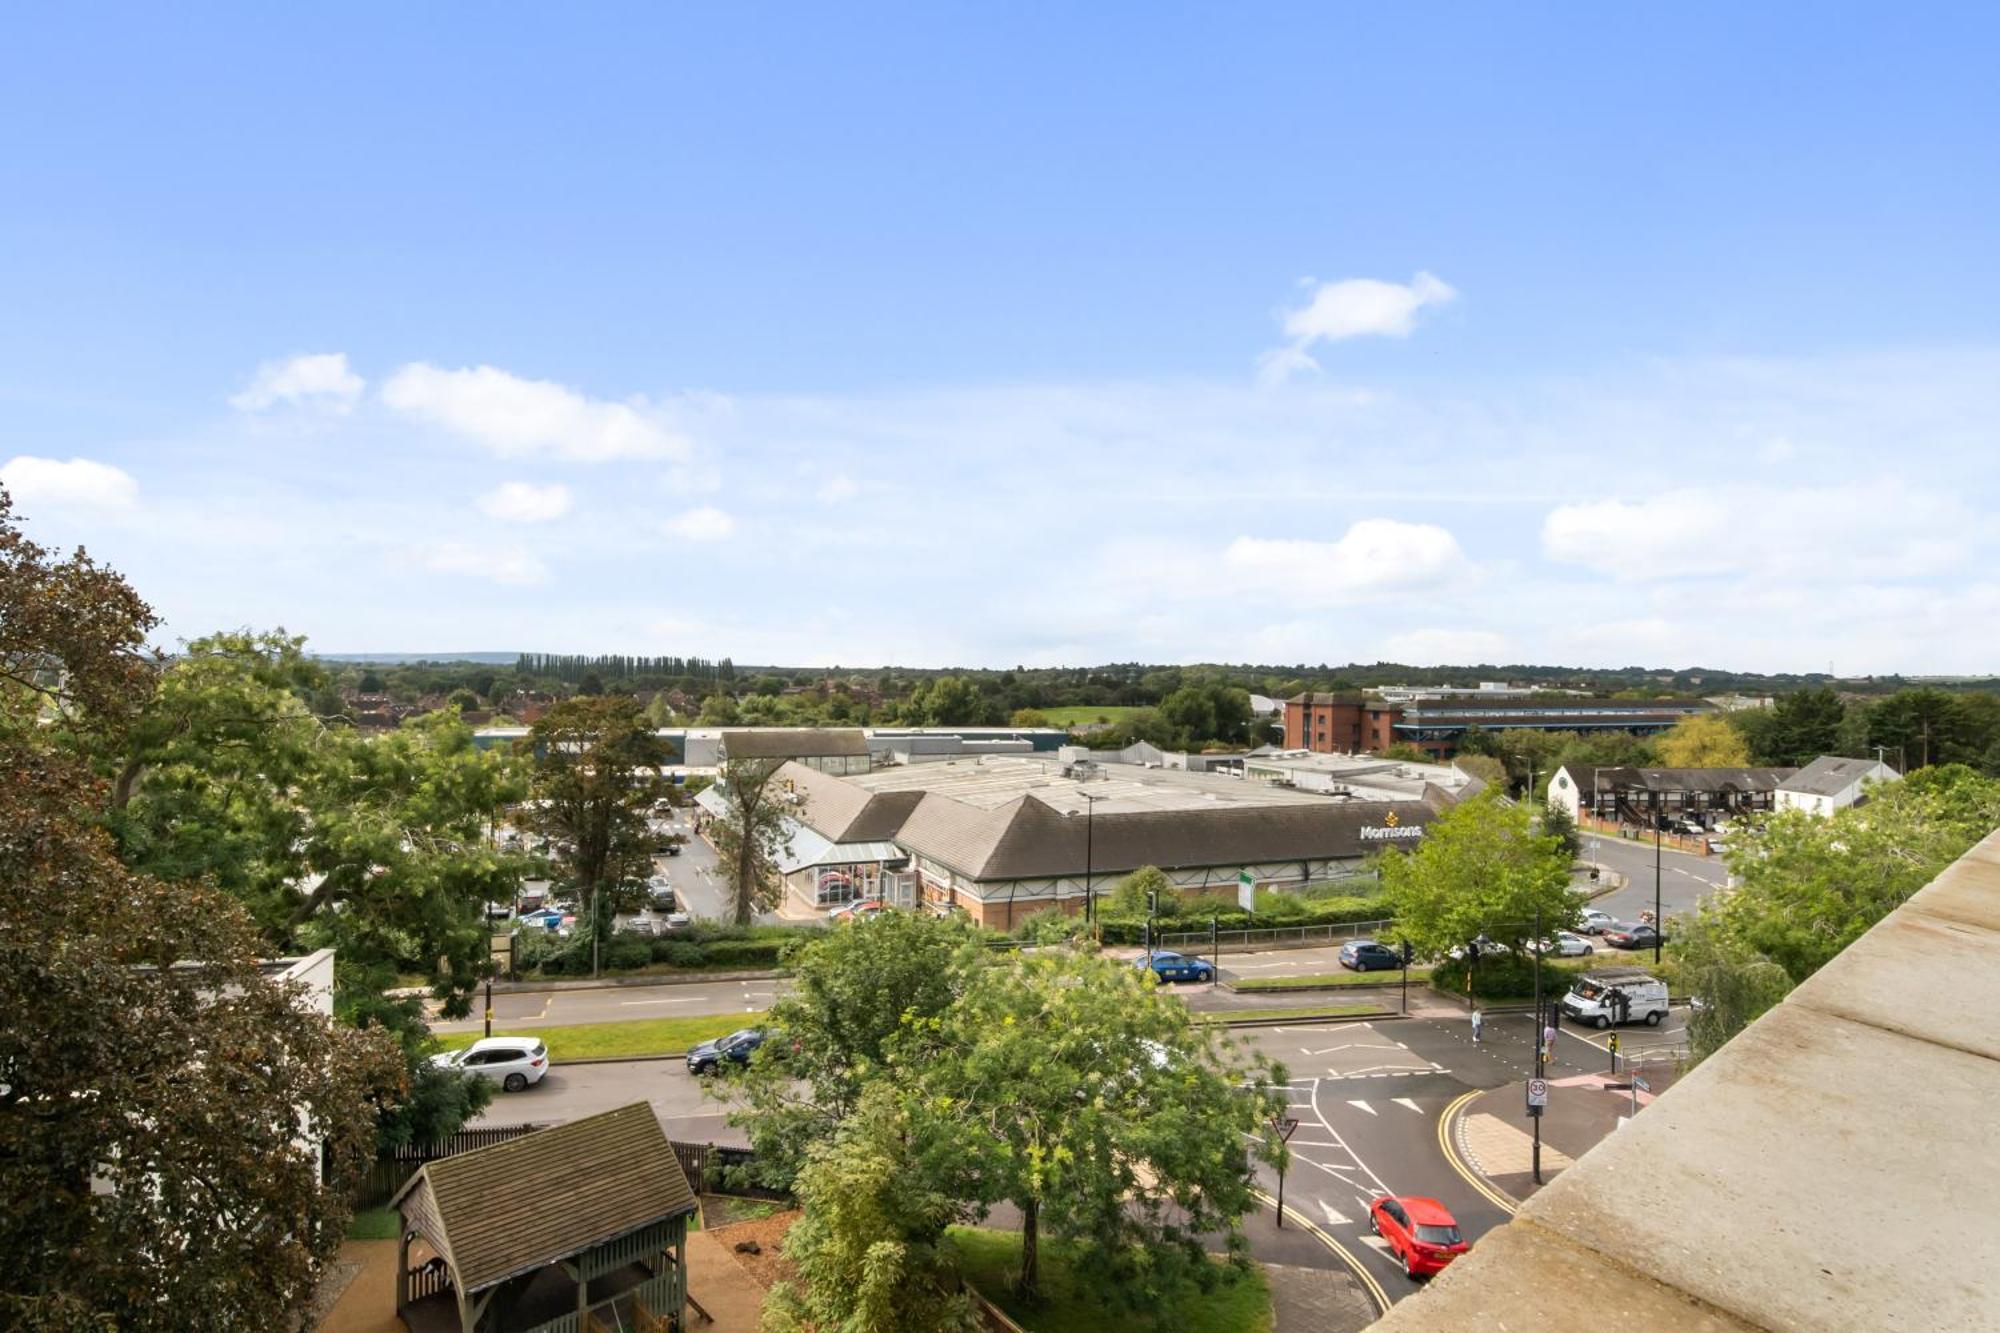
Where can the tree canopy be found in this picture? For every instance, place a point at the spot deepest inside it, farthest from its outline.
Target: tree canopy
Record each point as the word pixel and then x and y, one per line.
pixel 1702 741
pixel 1480 869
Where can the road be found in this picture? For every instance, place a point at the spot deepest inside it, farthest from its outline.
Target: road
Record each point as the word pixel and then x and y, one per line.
pixel 1684 876
pixel 1370 1098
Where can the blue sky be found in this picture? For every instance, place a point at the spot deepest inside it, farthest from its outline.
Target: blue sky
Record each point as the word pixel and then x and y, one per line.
pixel 954 335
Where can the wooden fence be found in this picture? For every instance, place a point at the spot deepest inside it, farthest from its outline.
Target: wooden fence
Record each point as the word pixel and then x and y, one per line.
pixel 706 1167
pixel 386 1174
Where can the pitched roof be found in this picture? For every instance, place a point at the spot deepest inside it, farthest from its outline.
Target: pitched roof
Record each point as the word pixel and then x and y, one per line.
pixel 844 812
pixel 1685 779
pixel 795 742
pixel 515 1206
pixel 1828 775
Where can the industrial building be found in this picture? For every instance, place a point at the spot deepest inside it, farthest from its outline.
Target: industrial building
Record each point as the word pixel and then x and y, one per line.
pixel 1353 724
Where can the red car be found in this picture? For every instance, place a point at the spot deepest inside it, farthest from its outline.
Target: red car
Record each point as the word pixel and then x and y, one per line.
pixel 1421 1232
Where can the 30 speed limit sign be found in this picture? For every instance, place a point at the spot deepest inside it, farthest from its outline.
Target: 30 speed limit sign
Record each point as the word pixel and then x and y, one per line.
pixel 1538 1092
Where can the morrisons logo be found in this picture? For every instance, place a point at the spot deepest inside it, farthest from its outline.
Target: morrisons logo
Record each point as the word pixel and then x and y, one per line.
pixel 1374 834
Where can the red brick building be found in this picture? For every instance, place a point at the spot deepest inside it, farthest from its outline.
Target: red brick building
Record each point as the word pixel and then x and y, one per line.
pixel 1353 724
pixel 1339 723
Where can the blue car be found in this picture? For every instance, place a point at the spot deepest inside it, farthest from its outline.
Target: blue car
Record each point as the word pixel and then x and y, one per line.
pixel 1178 967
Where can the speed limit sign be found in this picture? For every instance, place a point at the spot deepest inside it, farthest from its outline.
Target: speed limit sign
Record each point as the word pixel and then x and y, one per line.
pixel 1538 1092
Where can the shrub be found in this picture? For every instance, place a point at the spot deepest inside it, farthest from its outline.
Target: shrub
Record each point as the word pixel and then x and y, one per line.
pixel 677 953
pixel 744 953
pixel 625 951
pixel 1506 976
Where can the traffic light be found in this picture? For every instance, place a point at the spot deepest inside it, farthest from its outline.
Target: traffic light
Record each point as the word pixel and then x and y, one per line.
pixel 1472 950
pixel 1409 954
pixel 1152 902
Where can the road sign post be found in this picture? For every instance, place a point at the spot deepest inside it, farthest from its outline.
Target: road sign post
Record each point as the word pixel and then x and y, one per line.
pixel 1611 1045
pixel 1286 1127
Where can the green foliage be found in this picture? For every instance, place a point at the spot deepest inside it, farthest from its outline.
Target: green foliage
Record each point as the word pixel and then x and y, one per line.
pixel 1702 741
pixel 1207 712
pixel 951 701
pixel 1226 1298
pixel 1124 1128
pixel 1128 897
pixel 1502 975
pixel 1796 729
pixel 1560 824
pixel 435 1102
pixel 1734 982
pixel 871 1251
pixel 1480 868
pixel 747 839
pixel 625 950
pixel 853 990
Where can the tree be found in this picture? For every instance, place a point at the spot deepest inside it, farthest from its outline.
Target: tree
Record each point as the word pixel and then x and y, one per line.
pixel 1702 741
pixel 871 1251
pixel 718 710
pixel 1130 896
pixel 1924 727
pixel 462 699
pixel 1558 823
pixel 749 837
pixel 1029 717
pixel 1796 729
pixel 1734 982
pixel 596 777
pixel 371 683
pixel 1092 1101
pixel 853 993
pixel 946 701
pixel 1480 869
pixel 1207 712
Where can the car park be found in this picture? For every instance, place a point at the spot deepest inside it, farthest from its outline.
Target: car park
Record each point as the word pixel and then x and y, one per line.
pixel 1420 1233
pixel 736 1049
pixel 512 1062
pixel 1369 956
pixel 1170 967
pixel 1593 921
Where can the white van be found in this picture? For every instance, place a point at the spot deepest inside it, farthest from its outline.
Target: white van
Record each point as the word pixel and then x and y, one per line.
pixel 1616 995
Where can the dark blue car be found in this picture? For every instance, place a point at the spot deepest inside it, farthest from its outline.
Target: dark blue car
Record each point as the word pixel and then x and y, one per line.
pixel 736 1048
pixel 1178 967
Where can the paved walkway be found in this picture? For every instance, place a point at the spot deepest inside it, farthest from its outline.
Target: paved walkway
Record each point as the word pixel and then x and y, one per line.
pixel 724 1287
pixel 1496 1135
pixel 1317 1300
pixel 368 1305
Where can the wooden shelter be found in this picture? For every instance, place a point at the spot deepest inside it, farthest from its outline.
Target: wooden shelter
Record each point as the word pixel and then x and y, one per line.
pixel 576 1229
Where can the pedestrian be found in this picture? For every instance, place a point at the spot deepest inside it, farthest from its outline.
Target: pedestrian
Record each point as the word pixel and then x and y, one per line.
pixel 1549 1040
pixel 1478 1022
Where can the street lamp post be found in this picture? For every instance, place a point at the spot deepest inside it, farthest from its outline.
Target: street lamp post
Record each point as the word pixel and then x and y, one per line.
pixel 1541 1054
pixel 1659 923
pixel 1089 861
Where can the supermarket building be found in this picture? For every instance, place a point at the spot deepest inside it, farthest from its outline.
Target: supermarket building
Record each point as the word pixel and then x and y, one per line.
pixel 1004 836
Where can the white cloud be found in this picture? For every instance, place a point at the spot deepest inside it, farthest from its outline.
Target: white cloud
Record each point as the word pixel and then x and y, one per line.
pixel 706 524
pixel 1443 647
pixel 517 417
pixel 79 483
pixel 838 489
pixel 1874 530
pixel 525 502
pixel 1373 557
pixel 1351 308
pixel 319 380
pixel 514 566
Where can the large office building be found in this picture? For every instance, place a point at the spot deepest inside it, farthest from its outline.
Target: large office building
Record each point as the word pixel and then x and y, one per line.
pixel 1354 724
pixel 1005 836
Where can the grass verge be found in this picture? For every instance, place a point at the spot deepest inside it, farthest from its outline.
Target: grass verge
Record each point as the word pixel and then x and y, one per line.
pixel 612 1041
pixel 1240 1302
pixel 1083 716
pixel 374 1224
pixel 1328 981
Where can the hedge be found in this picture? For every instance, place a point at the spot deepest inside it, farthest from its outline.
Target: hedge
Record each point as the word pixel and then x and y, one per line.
pixel 699 946
pixel 1509 976
pixel 1196 916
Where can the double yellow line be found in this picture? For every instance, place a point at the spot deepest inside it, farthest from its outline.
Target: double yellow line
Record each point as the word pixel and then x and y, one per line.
pixel 1347 1256
pixel 1458 1164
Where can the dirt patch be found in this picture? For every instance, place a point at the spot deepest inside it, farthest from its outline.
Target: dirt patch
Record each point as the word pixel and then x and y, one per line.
pixel 725 1210
pixel 769 1266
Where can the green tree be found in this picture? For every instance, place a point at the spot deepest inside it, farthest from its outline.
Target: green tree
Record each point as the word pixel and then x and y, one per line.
pixel 371 683
pixel 1797 728
pixel 750 835
pixel 1096 1105
pixel 1702 741
pixel 1558 823
pixel 946 701
pixel 1480 869
pixel 1734 982
pixel 596 777
pixel 853 993
pixel 870 1251
pixel 1129 895
pixel 1926 727
pixel 718 710
pixel 462 699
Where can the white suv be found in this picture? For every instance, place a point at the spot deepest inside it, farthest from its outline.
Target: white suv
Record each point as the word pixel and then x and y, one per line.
pixel 512 1062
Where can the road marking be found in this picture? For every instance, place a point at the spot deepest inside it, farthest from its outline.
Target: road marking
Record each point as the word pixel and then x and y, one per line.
pixel 1333 1218
pixel 1366 1107
pixel 1376 1243
pixel 1446 1124
pixel 679 999
pixel 1405 1101
pixel 1347 1256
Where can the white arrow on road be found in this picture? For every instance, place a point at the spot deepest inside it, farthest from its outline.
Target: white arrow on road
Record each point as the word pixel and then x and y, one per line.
pixel 1405 1101
pixel 1365 1107
pixel 1333 1218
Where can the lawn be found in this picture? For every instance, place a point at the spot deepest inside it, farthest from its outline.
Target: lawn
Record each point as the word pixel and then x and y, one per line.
pixel 1085 716
pixel 1327 980
pixel 611 1041
pixel 1313 1011
pixel 374 1224
pixel 989 1260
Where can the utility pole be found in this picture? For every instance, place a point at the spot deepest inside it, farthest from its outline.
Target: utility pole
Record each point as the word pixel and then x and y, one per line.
pixel 489 996
pixel 1659 923
pixel 1541 1055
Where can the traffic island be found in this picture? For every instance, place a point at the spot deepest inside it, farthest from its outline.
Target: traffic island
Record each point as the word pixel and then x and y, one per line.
pixel 1491 1133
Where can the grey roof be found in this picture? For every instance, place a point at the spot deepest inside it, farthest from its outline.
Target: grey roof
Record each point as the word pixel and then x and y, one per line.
pixel 516 1206
pixel 1028 839
pixel 795 742
pixel 844 812
pixel 1688 779
pixel 1828 775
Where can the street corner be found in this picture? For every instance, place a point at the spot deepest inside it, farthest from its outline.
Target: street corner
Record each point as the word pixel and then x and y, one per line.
pixel 1493 1135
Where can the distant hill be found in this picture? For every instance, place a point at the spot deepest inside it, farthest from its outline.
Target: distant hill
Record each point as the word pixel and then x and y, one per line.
pixel 406 659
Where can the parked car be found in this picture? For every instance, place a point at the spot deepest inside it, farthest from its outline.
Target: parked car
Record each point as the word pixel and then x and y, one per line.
pixel 1634 937
pixel 512 1062
pixel 736 1049
pixel 1595 922
pixel 1369 956
pixel 1564 944
pixel 1170 967
pixel 1421 1233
